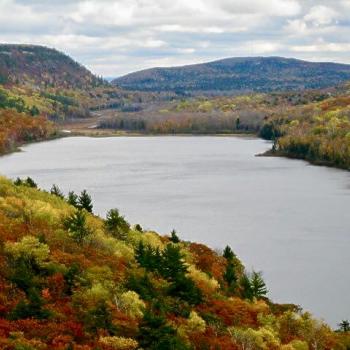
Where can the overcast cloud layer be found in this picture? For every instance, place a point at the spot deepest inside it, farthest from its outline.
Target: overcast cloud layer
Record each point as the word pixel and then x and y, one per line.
pixel 115 37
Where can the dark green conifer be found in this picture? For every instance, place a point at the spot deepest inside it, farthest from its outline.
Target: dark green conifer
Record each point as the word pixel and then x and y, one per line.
pixel 116 224
pixel 76 225
pixel 174 237
pixel 56 191
pixel 72 199
pixel 85 202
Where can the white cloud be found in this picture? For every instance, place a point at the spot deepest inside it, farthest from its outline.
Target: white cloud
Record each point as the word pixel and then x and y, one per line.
pixel 282 8
pixel 321 16
pixel 322 47
pixel 113 37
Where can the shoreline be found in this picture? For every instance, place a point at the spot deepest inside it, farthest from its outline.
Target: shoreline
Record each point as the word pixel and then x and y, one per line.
pixel 109 133
pixel 281 154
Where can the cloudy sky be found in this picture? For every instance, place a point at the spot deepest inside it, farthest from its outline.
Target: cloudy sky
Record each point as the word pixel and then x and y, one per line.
pixel 115 37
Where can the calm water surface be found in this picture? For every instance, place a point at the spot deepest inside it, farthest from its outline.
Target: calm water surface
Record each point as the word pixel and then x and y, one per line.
pixel 285 217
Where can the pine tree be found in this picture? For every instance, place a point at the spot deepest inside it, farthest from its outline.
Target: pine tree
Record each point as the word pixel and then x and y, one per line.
pixel 174 237
pixel 76 225
pixel 230 275
pixel 172 262
pixel 140 253
pixel 246 287
pixel 138 227
pixel 184 288
pixel 116 224
pixel 30 182
pixel 72 199
pixel 258 285
pixel 56 191
pixel 228 254
pixel 156 334
pixel 344 326
pixel 100 318
pixel 85 202
pixel 18 182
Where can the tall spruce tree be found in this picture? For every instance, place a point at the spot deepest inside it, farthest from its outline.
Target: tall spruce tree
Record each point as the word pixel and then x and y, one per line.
pixel 72 199
pixel 85 202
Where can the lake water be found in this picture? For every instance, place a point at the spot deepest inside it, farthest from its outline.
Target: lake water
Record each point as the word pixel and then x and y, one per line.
pixel 285 217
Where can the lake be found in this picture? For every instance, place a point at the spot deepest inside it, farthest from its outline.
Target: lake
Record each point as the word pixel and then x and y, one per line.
pixel 285 217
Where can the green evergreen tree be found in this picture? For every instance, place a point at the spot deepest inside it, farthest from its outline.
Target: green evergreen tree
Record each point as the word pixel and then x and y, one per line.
pixel 184 288
pixel 246 287
pixel 228 254
pixel 30 182
pixel 156 334
pixel 100 318
pixel 33 308
pixel 138 227
pixel 172 262
pixel 56 191
pixel 344 326
pixel 71 276
pixel 230 275
pixel 34 111
pixel 258 285
pixel 76 225
pixel 140 253
pixel 85 202
pixel 18 182
pixel 143 286
pixel 116 224
pixel 174 237
pixel 72 199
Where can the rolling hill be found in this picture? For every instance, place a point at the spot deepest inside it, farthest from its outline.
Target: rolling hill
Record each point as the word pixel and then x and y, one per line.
pixel 42 66
pixel 38 84
pixel 238 75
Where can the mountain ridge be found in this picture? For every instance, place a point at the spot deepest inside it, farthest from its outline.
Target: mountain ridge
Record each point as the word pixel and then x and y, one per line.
pixel 238 75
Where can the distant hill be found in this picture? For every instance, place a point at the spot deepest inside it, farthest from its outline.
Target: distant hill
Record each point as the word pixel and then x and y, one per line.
pixel 42 66
pixel 237 75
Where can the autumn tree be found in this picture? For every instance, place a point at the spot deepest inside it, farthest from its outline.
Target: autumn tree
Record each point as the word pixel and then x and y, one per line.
pixel 28 262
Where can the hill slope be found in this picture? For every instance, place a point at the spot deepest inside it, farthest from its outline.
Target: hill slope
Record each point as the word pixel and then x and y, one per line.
pixel 71 280
pixel 235 75
pixel 42 66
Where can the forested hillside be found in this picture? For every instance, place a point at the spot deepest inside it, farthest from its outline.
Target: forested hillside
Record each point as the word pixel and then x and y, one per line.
pixel 318 131
pixel 43 67
pixel 72 280
pixel 238 75
pixel 38 84
pixel 51 83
